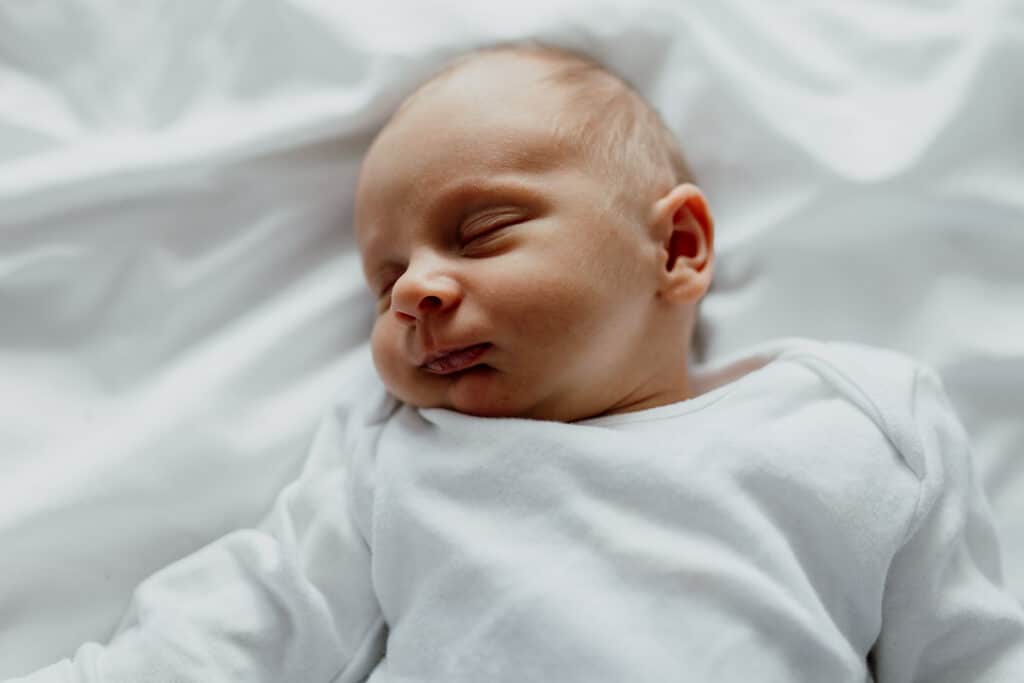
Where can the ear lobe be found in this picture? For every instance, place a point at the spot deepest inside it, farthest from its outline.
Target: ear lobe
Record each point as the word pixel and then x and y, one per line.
pixel 686 231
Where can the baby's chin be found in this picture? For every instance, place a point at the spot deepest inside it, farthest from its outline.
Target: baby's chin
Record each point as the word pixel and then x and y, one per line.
pixel 483 395
pixel 480 391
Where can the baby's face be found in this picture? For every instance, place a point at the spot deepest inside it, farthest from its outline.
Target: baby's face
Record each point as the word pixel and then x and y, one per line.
pixel 506 283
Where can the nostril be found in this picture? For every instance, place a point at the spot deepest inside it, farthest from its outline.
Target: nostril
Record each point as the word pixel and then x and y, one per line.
pixel 430 302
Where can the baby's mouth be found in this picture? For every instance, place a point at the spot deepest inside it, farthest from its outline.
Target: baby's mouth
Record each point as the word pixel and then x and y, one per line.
pixel 457 359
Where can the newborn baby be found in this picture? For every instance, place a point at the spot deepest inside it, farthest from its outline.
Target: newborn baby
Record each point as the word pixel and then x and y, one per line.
pixel 549 491
pixel 537 249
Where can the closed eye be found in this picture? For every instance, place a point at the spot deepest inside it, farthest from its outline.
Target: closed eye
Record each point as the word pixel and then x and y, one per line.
pixel 479 235
pixel 489 231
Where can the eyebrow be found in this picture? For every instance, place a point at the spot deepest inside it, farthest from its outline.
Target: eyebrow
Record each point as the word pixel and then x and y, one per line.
pixel 485 189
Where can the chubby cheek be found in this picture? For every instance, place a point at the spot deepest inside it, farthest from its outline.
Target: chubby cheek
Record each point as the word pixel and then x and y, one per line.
pixel 553 304
pixel 551 326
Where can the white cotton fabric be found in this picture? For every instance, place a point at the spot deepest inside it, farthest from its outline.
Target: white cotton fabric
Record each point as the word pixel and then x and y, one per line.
pixel 181 298
pixel 777 528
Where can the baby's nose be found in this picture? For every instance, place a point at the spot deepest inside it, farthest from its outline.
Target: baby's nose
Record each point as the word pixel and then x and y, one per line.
pixel 415 296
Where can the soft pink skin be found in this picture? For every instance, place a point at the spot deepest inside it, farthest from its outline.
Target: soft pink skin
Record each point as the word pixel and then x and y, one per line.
pixel 490 231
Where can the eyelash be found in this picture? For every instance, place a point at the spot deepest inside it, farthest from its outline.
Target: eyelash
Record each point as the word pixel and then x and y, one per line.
pixel 487 231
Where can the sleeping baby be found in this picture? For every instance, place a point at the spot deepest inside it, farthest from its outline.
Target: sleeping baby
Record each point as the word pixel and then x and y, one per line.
pixel 549 491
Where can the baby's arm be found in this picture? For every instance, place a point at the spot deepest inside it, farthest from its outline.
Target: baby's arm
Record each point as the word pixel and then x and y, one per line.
pixel 946 616
pixel 290 601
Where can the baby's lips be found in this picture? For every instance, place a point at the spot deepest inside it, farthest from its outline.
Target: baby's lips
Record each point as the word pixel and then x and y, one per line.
pixel 455 360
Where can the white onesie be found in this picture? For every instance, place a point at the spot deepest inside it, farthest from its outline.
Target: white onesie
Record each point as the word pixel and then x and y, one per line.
pixel 813 519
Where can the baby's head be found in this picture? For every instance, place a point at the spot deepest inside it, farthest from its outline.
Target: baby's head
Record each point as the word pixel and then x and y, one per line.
pixel 537 249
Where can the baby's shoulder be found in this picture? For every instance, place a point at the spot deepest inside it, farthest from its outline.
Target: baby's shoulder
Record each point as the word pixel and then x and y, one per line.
pixel 868 373
pixel 888 387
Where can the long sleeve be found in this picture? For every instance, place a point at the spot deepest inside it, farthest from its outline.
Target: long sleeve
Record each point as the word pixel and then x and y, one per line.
pixel 946 616
pixel 289 601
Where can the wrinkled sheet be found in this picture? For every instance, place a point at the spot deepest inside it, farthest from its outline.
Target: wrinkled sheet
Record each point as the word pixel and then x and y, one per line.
pixel 180 297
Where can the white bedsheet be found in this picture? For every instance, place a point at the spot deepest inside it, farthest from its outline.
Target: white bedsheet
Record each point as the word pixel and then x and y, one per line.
pixel 180 298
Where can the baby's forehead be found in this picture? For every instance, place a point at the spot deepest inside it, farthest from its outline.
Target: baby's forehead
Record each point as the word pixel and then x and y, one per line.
pixel 539 99
pixel 466 120
pixel 502 110
pixel 421 173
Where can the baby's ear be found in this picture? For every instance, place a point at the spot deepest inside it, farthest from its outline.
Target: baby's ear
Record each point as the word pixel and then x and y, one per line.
pixel 683 225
